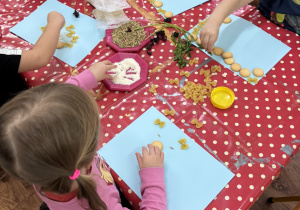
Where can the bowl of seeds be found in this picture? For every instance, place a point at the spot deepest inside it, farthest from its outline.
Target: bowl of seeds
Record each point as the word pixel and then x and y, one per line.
pixel 129 37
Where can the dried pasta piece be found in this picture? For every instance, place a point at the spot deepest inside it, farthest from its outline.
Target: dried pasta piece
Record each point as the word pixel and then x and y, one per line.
pixel 127 115
pixel 70 45
pixel 169 112
pixel 69 35
pixel 194 121
pixel 200 98
pixel 72 31
pixel 184 146
pixel 202 71
pixel 215 68
pixel 207 79
pixel 196 94
pixel 72 26
pixel 176 81
pixel 191 62
pixel 254 80
pixel 185 73
pixel 160 123
pixel 213 83
pixel 68 28
pixel 196 29
pixel 207 73
pixel 181 89
pixel 182 141
pixel 199 125
pixel 187 96
pixel 208 94
pixel 163 11
pixel 193 86
pixel 151 1
pixel 153 88
pixel 157 121
pixel 201 23
pixel 196 100
pixel 42 28
pixel 195 60
pixel 60 45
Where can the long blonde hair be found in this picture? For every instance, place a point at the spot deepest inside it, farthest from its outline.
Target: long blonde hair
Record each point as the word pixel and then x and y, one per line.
pixel 46 133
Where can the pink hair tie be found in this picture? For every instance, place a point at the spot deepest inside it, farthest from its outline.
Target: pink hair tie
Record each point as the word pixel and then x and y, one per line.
pixel 75 175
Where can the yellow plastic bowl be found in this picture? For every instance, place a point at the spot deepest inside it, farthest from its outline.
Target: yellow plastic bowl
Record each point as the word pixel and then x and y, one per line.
pixel 222 97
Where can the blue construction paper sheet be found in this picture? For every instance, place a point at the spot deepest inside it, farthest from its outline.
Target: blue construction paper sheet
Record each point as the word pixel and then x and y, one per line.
pixel 85 28
pixel 177 7
pixel 251 46
pixel 193 177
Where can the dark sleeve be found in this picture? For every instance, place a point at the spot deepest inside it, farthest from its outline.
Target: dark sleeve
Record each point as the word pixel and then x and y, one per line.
pixel 9 64
pixel 11 83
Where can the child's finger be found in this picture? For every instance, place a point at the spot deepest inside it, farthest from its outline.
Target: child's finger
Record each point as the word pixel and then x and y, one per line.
pixel 162 155
pixel 108 76
pixel 144 151
pixel 107 62
pixel 151 149
pixel 156 150
pixel 139 158
pixel 109 67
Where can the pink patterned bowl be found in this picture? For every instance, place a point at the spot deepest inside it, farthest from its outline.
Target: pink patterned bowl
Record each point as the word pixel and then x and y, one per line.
pixel 108 40
pixel 143 74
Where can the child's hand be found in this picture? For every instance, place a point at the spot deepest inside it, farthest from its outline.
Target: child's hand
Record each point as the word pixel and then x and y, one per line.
pixel 99 70
pixel 209 34
pixel 55 18
pixel 155 157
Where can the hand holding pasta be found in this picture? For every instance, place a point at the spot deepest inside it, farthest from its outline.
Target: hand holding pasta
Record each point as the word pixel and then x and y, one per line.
pixel 99 70
pixel 152 158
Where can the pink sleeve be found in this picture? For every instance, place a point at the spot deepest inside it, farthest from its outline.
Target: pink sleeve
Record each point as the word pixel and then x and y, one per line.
pixel 86 80
pixel 153 189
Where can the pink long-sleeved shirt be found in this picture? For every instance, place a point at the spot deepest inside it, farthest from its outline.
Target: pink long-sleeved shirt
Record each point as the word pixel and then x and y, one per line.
pixel 152 179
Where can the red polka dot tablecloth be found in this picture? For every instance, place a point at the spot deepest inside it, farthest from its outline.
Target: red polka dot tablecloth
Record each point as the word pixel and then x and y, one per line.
pixel 255 138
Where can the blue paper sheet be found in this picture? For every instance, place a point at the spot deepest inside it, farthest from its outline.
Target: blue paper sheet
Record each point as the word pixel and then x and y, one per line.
pixel 193 177
pixel 178 7
pixel 251 46
pixel 85 27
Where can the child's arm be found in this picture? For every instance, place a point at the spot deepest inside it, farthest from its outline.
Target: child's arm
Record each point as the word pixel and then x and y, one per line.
pixel 152 178
pixel 44 49
pixel 210 31
pixel 88 79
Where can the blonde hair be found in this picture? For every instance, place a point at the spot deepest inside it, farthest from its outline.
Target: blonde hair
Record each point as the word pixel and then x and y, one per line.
pixel 46 133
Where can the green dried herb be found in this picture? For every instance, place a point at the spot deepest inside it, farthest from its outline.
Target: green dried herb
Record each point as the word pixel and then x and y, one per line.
pixel 183 47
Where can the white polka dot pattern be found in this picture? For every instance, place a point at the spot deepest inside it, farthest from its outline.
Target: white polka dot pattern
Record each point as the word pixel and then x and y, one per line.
pixel 255 137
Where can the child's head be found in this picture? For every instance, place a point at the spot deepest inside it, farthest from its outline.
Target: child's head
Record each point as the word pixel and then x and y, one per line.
pixel 46 133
